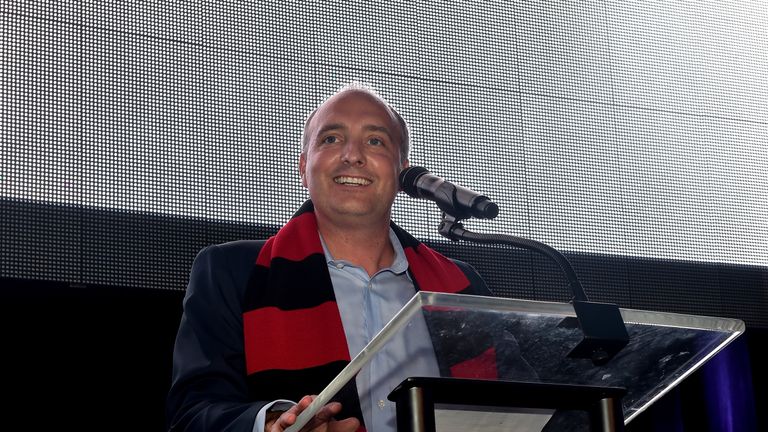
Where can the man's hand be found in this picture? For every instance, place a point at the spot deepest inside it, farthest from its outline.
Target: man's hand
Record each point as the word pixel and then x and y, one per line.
pixel 322 422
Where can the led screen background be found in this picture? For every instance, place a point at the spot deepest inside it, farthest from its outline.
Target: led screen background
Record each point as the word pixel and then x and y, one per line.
pixel 133 134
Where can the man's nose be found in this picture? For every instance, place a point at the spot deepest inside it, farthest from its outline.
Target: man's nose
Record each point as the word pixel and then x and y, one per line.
pixel 353 153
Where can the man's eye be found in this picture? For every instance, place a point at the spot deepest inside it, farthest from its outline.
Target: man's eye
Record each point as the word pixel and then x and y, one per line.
pixel 329 140
pixel 375 141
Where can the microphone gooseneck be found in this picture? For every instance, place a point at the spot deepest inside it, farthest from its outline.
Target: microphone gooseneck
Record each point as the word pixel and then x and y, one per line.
pixel 602 325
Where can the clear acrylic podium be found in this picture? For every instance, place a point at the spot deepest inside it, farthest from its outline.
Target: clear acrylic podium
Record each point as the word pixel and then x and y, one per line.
pixel 487 362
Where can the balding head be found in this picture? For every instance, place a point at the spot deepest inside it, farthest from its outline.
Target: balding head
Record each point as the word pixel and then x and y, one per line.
pixel 403 131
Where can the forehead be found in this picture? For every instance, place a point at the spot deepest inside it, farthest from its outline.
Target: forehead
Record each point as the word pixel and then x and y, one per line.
pixel 353 107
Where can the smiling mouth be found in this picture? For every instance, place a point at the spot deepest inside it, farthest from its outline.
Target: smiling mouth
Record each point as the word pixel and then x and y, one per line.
pixel 352 181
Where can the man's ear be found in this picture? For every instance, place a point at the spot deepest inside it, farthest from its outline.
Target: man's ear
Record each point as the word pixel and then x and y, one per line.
pixel 403 166
pixel 303 168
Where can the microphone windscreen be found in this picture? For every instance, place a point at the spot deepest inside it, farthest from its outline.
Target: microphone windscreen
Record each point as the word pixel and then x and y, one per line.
pixel 408 179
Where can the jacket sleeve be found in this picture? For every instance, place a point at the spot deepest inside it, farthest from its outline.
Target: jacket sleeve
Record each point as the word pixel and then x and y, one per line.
pixel 208 389
pixel 477 285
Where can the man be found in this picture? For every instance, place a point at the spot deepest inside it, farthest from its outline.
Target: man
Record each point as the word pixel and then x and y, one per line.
pixel 267 323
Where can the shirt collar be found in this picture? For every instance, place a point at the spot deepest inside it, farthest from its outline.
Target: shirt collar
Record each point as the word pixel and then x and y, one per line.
pixel 399 264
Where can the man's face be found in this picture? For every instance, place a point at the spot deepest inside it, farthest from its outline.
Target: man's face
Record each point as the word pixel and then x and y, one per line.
pixel 352 159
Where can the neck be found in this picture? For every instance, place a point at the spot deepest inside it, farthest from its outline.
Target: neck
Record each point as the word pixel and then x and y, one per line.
pixel 366 246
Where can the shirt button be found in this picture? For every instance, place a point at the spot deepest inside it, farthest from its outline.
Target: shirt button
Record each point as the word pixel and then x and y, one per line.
pixel 339 265
pixel 382 404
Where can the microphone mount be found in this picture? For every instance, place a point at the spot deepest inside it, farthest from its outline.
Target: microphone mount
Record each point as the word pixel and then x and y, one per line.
pixel 601 323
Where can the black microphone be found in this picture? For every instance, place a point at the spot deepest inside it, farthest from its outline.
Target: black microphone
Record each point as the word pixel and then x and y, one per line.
pixel 455 200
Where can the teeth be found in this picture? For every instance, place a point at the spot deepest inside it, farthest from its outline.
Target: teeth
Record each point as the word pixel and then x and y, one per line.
pixel 352 181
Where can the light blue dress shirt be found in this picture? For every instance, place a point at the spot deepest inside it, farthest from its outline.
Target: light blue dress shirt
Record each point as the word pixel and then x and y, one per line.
pixel 366 305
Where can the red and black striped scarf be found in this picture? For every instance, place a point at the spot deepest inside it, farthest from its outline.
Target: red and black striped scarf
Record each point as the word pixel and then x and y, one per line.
pixel 294 339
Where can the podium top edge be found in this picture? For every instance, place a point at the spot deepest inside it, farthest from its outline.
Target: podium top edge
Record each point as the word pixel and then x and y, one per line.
pixel 534 307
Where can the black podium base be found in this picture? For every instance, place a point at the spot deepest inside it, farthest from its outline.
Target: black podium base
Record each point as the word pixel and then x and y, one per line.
pixel 416 397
